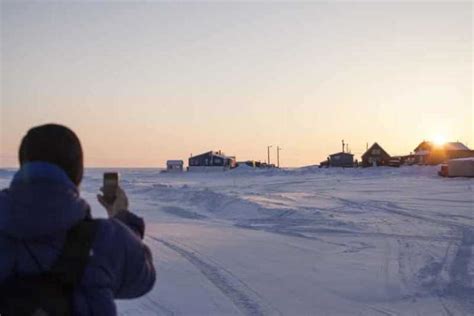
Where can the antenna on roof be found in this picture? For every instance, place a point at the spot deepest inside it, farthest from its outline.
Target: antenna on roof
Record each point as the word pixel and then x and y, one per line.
pixel 343 145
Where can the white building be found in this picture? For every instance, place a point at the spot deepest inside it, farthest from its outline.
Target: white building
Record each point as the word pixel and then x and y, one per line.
pixel 174 165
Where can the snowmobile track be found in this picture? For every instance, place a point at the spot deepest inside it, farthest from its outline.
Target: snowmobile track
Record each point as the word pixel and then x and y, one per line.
pixel 242 296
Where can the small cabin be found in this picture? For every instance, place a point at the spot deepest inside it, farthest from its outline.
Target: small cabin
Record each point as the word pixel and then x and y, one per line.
pixel 341 159
pixel 174 165
pixel 211 160
pixel 375 156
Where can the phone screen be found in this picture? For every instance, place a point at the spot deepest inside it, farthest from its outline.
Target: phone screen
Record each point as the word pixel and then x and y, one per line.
pixel 110 186
pixel 110 179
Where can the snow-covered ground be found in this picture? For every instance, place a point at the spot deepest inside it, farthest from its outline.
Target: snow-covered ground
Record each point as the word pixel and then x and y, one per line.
pixel 376 241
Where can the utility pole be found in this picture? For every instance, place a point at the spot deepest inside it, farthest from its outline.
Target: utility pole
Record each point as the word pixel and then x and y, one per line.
pixel 343 145
pixel 278 156
pixel 268 154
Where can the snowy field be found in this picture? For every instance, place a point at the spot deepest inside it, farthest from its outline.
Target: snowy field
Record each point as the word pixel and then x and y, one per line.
pixel 307 241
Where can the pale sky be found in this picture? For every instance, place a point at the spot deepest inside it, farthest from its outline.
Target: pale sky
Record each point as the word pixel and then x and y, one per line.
pixel 143 82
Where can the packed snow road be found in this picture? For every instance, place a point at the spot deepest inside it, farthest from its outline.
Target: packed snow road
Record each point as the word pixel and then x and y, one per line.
pixel 303 242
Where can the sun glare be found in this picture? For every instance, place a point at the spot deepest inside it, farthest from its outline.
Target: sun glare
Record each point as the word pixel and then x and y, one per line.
pixel 439 140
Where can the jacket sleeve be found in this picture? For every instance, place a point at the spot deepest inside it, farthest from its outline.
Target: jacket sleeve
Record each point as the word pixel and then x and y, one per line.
pixel 138 273
pixel 133 222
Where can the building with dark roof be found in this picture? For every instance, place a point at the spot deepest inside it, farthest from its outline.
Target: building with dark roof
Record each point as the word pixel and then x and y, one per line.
pixel 341 159
pixel 211 160
pixel 375 156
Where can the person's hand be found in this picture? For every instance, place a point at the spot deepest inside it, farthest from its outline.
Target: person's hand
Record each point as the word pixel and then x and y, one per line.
pixel 120 203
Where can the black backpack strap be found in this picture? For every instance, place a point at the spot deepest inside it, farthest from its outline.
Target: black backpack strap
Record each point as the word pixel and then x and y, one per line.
pixel 69 267
pixel 50 293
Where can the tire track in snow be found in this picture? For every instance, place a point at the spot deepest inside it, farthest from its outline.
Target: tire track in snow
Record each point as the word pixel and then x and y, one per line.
pixel 244 298
pixel 383 311
pixel 309 233
pixel 155 304
pixel 386 267
pixel 394 208
pixel 445 308
pixel 461 280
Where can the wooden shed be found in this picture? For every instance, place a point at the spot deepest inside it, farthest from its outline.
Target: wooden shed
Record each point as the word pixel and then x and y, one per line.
pixel 375 156
pixel 174 165
pixel 341 159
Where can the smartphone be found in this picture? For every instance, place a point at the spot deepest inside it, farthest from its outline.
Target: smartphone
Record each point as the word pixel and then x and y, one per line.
pixel 111 182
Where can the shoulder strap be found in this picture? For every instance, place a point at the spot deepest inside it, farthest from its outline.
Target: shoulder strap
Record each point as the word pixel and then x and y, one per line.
pixel 50 293
pixel 70 265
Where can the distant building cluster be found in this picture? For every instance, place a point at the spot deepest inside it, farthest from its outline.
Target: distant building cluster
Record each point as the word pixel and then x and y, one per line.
pixel 426 153
pixel 212 161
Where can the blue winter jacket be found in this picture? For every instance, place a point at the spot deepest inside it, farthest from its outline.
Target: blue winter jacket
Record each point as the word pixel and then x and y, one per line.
pixel 38 209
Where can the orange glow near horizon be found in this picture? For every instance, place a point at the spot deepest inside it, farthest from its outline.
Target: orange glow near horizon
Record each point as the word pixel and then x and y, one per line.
pixel 139 86
pixel 439 140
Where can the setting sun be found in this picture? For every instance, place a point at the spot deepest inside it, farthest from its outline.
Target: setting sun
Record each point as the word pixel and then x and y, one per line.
pixel 439 140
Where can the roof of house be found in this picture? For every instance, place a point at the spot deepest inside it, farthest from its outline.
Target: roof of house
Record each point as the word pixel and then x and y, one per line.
pixel 215 154
pixel 368 151
pixel 455 146
pixel 424 145
pixel 427 146
pixel 341 153
pixel 174 162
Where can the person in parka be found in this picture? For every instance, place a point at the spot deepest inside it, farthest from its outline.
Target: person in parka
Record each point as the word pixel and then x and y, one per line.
pixel 43 202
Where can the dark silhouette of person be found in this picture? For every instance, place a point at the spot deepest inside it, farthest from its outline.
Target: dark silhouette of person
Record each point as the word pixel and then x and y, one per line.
pixel 43 203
